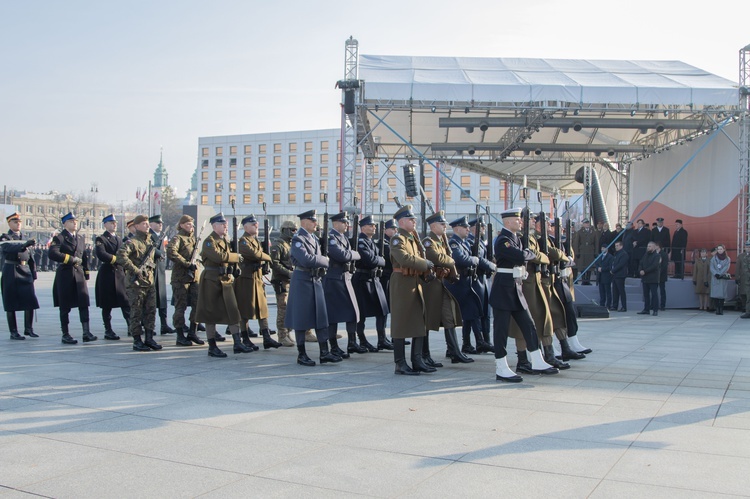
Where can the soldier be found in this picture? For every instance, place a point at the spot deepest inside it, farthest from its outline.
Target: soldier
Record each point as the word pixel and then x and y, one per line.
pixel 282 268
pixel 585 245
pixel 110 289
pixel 136 257
pixel 217 303
pixel 157 238
pixel 679 245
pixel 131 230
pixel 407 298
pixel 249 287
pixel 391 227
pixel 367 287
pixel 184 281
pixel 69 289
pixel 17 281
pixel 742 274
pixel 467 266
pixel 306 308
pixel 507 299
pixel 441 306
pixel 485 271
pixel 341 302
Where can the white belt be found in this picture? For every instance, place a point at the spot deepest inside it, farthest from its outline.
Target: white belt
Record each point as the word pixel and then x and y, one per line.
pixel 565 273
pixel 518 272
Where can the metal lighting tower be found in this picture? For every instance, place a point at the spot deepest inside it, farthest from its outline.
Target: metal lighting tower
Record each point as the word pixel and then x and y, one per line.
pixel 743 215
pixel 349 96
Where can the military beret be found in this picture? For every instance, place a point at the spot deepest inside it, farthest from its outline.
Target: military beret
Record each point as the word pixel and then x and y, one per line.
pixel 68 216
pixel 109 218
pixel 512 212
pixel 404 212
pixel 217 219
pixel 13 216
pixel 391 224
pixel 340 217
pixel 156 219
pixel 185 219
pixel 139 219
pixel 250 219
pixel 460 222
pixel 309 215
pixel 437 217
pixel 129 223
pixel 367 221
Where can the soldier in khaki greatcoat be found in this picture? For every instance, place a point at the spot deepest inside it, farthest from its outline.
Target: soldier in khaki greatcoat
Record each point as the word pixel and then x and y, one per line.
pixel 249 287
pixel 217 303
pixel 407 299
pixel 586 247
pixel 184 281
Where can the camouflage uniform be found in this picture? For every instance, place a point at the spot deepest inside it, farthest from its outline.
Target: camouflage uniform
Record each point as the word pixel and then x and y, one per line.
pixel 282 266
pixel 140 289
pixel 184 279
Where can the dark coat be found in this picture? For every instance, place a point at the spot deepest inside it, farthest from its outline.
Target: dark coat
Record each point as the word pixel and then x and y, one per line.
pixel 306 305
pixel 19 274
pixel 663 266
pixel 641 238
pixel 651 265
pixel 485 269
pixel 160 258
pixel 604 266
pixel 507 292
pixel 370 294
pixel 69 289
pixel 627 241
pixel 341 301
pixel 679 244
pixel 463 290
pixel 620 264
pixel 385 279
pixel 110 281
pixel 662 237
pixel 216 300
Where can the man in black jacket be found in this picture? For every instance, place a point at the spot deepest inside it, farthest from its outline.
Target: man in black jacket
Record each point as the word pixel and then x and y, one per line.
pixel 649 268
pixel 663 270
pixel 619 273
pixel 679 245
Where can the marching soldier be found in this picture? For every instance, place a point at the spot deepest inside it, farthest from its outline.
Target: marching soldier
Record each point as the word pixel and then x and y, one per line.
pixel 366 282
pixel 217 303
pixel 485 271
pixel 131 230
pixel 507 299
pixel 306 308
pixel 282 268
pixel 468 266
pixel 17 281
pixel 249 287
pixel 442 308
pixel 341 302
pixel 110 289
pixel 408 313
pixel 157 238
pixel 136 257
pixel 184 281
pixel 69 289
pixel 391 227
pixel 586 247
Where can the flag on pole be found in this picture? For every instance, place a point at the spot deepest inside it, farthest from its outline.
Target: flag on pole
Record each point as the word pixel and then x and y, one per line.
pixel 143 196
pixel 138 194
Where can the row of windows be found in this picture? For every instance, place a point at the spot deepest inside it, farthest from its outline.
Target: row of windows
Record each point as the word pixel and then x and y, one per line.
pixel 277 161
pixel 247 174
pixel 262 148
pixel 57 210
pixel 261 186
pixel 292 197
pixel 30 223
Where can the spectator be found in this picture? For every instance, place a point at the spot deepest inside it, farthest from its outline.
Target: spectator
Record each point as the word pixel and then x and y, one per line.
pixel 663 270
pixel 604 280
pixel 619 273
pixel 649 270
pixel 719 269
pixel 702 278
pixel 679 245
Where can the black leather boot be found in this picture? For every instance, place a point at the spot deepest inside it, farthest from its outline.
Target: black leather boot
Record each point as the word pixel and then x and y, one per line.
pixel 181 341
pixel 523 365
pixel 238 346
pixel 363 340
pixel 326 356
pixel 268 342
pixel 13 326
pixel 351 346
pixel 219 337
pixel 482 345
pixel 568 353
pixel 383 343
pixel 251 333
pixel 109 333
pixel 247 342
pixel 399 357
pixel 549 358
pixel 214 351
pixel 426 357
pixel 417 362
pixel 87 336
pixel 302 358
pixel 66 337
pixel 193 334
pixel 467 347
pixel 454 353
pixel 333 340
pixel 138 345
pixel 165 329
pixel 28 324
pixel 153 345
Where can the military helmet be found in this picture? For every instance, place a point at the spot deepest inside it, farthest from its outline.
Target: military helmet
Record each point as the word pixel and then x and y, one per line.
pixel 289 224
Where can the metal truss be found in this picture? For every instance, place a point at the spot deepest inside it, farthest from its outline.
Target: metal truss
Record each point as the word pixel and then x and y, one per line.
pixel 743 215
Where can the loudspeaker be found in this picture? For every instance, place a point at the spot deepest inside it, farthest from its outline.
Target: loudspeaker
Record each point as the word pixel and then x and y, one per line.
pixel 349 101
pixel 410 181
pixel 592 311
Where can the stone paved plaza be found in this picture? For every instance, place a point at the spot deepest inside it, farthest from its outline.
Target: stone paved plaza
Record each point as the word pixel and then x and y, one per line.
pixel 661 408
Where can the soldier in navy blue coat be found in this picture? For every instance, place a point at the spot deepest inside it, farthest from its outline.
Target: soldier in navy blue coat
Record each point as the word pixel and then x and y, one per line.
pixel 341 301
pixel 69 289
pixel 391 228
pixel 507 299
pixel 306 305
pixel 367 287
pixel 110 280
pixel 17 282
pixel 485 270
pixel 463 289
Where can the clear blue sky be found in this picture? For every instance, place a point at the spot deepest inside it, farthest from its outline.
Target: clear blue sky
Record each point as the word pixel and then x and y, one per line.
pixel 90 90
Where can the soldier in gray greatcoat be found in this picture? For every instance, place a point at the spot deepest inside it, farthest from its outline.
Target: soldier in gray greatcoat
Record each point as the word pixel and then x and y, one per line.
pixel 156 227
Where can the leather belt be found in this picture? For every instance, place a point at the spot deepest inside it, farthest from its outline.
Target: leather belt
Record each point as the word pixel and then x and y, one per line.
pixel 406 271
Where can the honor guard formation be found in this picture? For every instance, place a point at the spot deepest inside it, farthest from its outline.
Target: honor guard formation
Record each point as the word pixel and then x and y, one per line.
pixel 345 269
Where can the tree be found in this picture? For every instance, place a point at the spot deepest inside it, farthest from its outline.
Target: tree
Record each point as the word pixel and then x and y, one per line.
pixel 171 208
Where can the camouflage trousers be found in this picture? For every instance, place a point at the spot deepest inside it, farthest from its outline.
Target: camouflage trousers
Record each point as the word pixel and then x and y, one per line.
pixel 281 314
pixel 142 309
pixel 184 295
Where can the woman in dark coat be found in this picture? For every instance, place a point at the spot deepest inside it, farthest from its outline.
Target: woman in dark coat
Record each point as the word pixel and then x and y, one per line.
pixel 17 282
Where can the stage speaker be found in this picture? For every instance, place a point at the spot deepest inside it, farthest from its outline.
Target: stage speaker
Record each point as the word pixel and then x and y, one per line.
pixel 410 182
pixel 349 101
pixel 592 311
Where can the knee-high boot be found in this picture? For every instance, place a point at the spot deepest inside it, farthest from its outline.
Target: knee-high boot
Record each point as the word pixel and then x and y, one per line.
pixel 417 344
pixel 13 326
pixel 28 324
pixel 466 334
pixel 426 357
pixel 454 352
pixel 399 357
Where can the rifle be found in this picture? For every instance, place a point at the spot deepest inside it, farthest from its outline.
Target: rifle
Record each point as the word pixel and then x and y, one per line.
pixel 490 242
pixel 381 243
pixel 543 246
pixel 355 236
pixel 566 244
pixel 430 274
pixel 558 234
pixel 266 244
pixel 148 259
pixel 324 233
pixel 526 218
pixel 232 268
pixel 194 254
